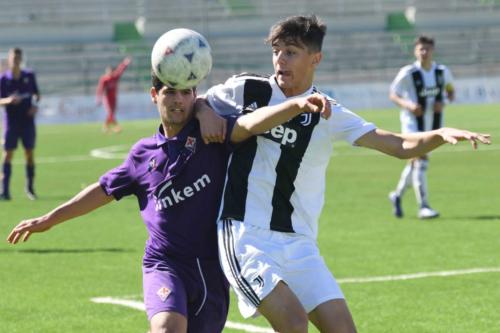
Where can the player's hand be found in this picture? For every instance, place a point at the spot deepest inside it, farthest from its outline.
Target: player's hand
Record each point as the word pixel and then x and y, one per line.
pixel 212 126
pixel 14 99
pixel 415 108
pixel 27 227
pixel 316 103
pixel 33 110
pixel 127 60
pixel 438 107
pixel 453 136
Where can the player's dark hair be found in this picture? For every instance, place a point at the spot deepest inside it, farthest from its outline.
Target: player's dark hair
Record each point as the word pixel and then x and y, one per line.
pixel 307 30
pixel 423 39
pixel 17 50
pixel 158 84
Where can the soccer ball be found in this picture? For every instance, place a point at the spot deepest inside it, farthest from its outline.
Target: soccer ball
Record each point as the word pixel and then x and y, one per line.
pixel 181 58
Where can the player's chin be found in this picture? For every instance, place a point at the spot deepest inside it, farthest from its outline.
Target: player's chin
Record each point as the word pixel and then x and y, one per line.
pixel 284 81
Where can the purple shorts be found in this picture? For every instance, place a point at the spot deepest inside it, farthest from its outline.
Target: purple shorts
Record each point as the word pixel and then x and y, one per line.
pixel 196 289
pixel 25 131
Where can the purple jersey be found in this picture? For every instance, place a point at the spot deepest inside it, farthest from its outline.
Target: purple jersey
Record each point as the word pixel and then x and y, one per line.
pixel 178 183
pixel 26 87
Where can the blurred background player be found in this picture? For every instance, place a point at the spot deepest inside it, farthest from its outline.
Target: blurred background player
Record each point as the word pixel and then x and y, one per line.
pixel 107 90
pixel 3 63
pixel 19 94
pixel 421 90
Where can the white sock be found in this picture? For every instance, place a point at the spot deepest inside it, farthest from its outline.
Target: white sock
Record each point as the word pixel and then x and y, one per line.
pixel 420 182
pixel 404 180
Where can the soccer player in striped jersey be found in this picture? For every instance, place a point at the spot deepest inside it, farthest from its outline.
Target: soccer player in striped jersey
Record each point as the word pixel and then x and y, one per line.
pixel 421 90
pixel 178 182
pixel 275 185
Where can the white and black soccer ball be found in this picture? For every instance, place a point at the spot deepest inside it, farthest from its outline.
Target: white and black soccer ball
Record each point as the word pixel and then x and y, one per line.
pixel 181 58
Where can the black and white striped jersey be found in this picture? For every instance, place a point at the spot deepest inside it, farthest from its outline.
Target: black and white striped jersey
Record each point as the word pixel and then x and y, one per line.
pixel 423 87
pixel 276 180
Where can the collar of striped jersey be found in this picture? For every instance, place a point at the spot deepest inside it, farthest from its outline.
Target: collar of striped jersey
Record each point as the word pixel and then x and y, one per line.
pixel 277 92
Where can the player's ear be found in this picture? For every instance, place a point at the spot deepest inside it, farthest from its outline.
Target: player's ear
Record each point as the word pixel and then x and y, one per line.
pixel 154 95
pixel 317 58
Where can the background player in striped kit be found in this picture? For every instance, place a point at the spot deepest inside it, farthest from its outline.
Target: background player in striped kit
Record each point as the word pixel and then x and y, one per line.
pixel 421 90
pixel 18 93
pixel 275 186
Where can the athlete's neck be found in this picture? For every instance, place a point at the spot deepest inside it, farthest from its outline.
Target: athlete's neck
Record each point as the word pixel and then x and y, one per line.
pixel 16 72
pixel 171 130
pixel 427 65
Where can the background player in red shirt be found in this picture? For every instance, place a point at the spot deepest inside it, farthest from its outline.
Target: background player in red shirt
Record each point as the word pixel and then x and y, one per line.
pixel 107 92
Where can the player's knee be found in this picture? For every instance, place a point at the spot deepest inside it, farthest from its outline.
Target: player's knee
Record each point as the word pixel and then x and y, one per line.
pixel 294 323
pixel 298 324
pixel 7 156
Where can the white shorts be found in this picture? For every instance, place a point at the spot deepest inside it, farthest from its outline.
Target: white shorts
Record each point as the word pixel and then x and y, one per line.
pixel 254 260
pixel 409 121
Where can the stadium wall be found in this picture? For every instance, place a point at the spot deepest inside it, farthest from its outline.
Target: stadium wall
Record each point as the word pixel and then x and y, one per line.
pixel 72 109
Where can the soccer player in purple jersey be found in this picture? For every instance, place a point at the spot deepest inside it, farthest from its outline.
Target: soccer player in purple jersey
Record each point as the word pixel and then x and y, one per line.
pixel 178 181
pixel 18 89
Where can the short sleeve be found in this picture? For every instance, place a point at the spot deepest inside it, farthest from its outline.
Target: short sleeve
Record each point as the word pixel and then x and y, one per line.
pixel 348 126
pixel 448 77
pixel 227 98
pixel 3 92
pixel 399 85
pixel 35 85
pixel 120 181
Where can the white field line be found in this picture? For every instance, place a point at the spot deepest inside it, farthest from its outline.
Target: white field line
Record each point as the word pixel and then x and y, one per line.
pixel 140 306
pixel 111 152
pixel 120 152
pixel 251 328
pixel 420 275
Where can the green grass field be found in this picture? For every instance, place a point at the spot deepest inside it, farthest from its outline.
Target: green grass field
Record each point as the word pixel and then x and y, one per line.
pixel 46 284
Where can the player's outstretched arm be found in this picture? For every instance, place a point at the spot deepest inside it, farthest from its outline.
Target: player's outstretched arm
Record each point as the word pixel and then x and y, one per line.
pixel 411 145
pixel 268 117
pixel 87 200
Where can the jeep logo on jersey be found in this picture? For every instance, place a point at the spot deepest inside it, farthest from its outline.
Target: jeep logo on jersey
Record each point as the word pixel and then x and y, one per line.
pixel 168 196
pixel 282 134
pixel 429 92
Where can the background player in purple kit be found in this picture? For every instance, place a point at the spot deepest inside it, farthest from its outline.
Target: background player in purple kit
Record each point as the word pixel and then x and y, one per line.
pixel 178 181
pixel 18 89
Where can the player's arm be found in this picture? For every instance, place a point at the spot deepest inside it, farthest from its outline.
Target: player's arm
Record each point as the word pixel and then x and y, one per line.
pixel 12 99
pixel 122 67
pixel 99 91
pixel 268 117
pixel 411 145
pixel 450 92
pixel 36 91
pixel 404 103
pixel 87 200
